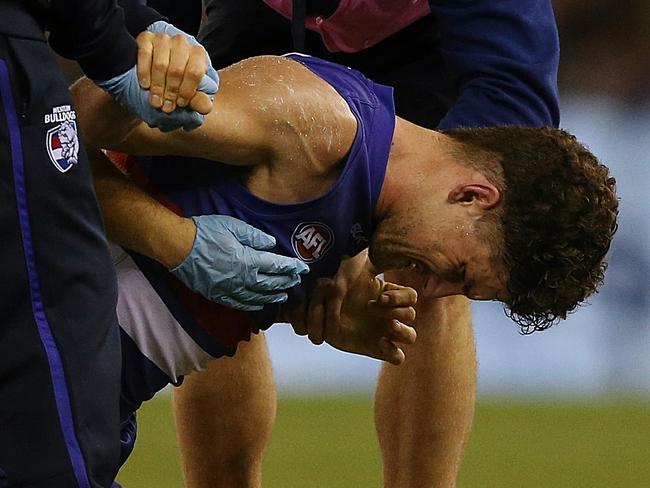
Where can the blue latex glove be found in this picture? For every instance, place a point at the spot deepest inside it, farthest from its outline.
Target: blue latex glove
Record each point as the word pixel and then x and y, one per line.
pixel 126 89
pixel 229 264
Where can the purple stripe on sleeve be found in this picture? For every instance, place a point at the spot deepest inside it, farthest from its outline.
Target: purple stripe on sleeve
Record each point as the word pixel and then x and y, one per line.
pixel 61 393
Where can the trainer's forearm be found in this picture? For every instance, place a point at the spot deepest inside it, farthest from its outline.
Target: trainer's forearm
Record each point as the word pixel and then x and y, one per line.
pixel 135 220
pixel 424 407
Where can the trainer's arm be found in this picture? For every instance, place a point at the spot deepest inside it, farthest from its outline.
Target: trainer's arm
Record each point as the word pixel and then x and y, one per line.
pixel 503 58
pixel 94 33
pixel 135 220
pixel 269 110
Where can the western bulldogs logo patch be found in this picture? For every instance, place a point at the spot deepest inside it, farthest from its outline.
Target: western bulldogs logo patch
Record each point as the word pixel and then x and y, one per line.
pixel 62 141
pixel 311 240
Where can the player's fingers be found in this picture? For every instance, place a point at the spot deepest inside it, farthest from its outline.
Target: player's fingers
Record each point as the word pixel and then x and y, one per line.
pixel 145 54
pixel 195 69
pixel 397 296
pixel 316 312
pixel 402 333
pixel 390 352
pixel 299 326
pixel 403 314
pixel 178 59
pixel 333 306
pixel 298 319
pixel 160 63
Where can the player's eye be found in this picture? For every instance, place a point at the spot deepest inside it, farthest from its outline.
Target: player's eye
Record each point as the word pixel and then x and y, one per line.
pixel 420 267
pixel 417 266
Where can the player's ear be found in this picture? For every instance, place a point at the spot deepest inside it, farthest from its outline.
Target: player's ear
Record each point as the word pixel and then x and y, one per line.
pixel 478 197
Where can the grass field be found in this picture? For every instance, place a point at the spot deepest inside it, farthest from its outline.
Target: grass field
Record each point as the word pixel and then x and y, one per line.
pixel 330 443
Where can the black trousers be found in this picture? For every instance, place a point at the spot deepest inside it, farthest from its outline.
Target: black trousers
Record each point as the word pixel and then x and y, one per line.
pixel 59 340
pixel 409 60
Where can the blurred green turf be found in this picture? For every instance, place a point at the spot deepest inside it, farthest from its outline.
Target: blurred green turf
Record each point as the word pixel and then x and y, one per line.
pixel 329 443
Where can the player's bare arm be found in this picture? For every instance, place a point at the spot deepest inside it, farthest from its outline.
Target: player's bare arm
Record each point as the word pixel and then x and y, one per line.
pixel 270 112
pixel 135 220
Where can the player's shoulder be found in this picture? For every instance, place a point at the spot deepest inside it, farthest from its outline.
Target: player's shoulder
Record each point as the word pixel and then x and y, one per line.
pixel 304 114
pixel 348 82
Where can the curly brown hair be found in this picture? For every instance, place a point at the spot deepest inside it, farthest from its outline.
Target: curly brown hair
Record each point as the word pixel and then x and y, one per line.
pixel 557 217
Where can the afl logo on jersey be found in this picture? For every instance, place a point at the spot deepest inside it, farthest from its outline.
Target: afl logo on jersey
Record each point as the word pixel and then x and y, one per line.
pixel 311 240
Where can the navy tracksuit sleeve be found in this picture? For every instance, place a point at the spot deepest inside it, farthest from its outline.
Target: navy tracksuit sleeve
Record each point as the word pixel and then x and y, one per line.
pixel 502 56
pixel 93 32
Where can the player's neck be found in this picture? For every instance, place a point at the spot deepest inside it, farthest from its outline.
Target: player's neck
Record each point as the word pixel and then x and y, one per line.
pixel 411 164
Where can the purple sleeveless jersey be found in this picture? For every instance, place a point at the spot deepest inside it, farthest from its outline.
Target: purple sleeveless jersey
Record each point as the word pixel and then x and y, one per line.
pixel 320 232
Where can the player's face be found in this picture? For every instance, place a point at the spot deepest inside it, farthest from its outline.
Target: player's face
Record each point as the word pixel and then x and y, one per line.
pixel 448 257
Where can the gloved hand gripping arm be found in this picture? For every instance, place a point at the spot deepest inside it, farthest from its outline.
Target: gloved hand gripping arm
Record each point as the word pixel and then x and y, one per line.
pixel 222 258
pixel 230 264
pixel 173 83
pixel 95 33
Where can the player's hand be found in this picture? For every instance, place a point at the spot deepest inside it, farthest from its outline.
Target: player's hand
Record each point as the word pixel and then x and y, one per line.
pixel 357 312
pixel 172 65
pixel 327 299
pixel 230 264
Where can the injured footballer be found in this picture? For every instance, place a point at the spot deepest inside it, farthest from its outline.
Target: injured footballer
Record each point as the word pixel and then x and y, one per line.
pixel 312 153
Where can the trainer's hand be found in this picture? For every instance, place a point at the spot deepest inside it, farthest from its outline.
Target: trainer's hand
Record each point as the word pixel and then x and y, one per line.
pixel 126 89
pixel 172 65
pixel 230 264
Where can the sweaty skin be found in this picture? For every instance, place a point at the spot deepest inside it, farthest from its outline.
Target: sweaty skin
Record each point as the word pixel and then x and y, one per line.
pixel 138 222
pixel 277 96
pixel 312 129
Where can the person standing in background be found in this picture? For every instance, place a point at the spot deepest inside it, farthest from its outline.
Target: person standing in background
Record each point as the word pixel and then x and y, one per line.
pixel 452 63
